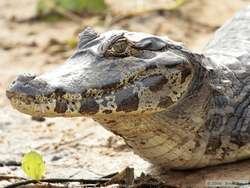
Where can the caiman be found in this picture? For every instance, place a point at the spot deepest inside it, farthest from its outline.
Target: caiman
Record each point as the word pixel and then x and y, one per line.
pixel 175 108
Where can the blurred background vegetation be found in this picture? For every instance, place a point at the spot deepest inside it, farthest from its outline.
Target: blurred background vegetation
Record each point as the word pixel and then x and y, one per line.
pixel 80 7
pixel 54 10
pixel 77 6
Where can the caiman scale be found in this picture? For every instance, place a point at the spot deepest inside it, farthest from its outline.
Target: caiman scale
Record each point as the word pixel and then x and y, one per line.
pixel 175 108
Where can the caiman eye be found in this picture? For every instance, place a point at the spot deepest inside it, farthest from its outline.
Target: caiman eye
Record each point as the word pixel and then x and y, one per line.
pixel 119 48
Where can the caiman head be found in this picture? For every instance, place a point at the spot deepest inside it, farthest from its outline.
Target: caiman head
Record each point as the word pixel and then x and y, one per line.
pixel 117 72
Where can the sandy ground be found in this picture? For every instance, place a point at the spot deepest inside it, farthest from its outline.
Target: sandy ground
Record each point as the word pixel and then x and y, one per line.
pixel 79 147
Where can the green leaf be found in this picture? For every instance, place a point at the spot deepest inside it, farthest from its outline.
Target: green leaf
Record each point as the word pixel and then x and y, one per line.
pixel 47 6
pixel 82 5
pixel 95 5
pixel 33 165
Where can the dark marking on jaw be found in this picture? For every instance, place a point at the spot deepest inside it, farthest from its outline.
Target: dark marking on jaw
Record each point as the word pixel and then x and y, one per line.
pixel 89 106
pixel 213 144
pixel 155 82
pixel 59 92
pixel 126 100
pixel 27 100
pixel 165 102
pixel 170 66
pixel 105 102
pixel 61 106
pixel 84 93
pixel 149 67
pixel 184 74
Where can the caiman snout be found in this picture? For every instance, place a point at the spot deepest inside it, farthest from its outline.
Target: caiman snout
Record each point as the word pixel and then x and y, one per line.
pixel 26 85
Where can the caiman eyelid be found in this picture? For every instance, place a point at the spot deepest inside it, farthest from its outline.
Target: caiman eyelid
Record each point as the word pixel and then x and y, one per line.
pixel 105 46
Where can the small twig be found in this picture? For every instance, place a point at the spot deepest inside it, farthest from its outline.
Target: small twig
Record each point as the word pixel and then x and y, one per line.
pixel 60 180
pixel 26 182
pixel 9 163
pixel 60 144
pixel 74 140
pixel 125 177
pixel 4 177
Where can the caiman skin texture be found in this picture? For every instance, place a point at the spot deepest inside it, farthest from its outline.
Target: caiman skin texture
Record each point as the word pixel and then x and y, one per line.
pixel 174 108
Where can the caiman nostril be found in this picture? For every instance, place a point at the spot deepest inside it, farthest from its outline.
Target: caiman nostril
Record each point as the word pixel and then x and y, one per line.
pixel 27 85
pixel 25 77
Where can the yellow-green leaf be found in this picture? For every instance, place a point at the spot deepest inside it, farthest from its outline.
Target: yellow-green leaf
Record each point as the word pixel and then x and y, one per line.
pixel 33 165
pixel 78 6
